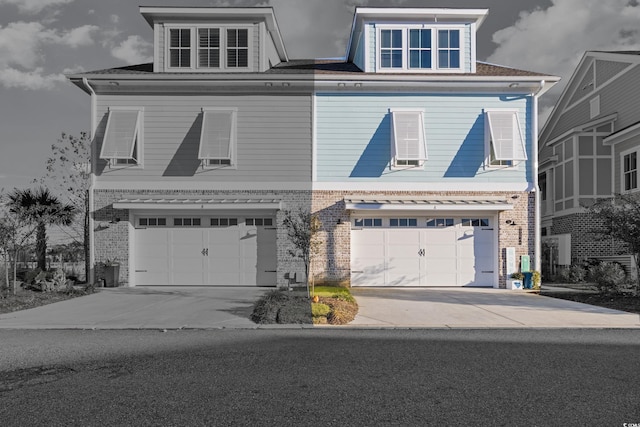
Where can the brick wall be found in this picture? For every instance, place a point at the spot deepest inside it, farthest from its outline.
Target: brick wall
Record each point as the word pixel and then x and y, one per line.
pixel 112 238
pixel 333 263
pixel 334 259
pixel 586 242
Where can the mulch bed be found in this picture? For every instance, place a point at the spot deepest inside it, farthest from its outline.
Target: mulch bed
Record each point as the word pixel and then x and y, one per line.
pixel 622 302
pixel 25 299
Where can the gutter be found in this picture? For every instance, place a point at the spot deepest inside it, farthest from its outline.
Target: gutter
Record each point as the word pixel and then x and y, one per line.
pixel 537 257
pixel 94 121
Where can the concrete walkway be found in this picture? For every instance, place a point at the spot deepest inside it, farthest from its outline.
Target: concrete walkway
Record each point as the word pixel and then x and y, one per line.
pixel 230 307
pixel 144 308
pixel 479 308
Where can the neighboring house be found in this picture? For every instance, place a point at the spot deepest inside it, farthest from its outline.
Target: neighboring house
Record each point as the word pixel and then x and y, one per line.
pixel 588 151
pixel 419 160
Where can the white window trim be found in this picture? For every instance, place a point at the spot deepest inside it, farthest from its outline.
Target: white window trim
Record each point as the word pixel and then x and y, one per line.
pixel 223 47
pixel 435 66
pixel 423 142
pixel 622 155
pixel 138 155
pixel 232 143
pixel 487 140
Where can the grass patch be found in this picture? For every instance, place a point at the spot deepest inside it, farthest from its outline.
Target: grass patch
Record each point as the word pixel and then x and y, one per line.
pixel 336 306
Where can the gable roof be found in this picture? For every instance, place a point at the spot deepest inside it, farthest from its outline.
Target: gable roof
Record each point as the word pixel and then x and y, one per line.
pixel 423 15
pixel 162 14
pixel 579 80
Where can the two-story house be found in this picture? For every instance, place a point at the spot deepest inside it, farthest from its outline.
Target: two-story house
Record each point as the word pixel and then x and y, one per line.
pixel 588 151
pixel 420 161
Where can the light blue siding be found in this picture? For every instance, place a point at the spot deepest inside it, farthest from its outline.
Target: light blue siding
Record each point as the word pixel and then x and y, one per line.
pixel 353 138
pixel 359 56
pixel 467 48
pixel 371 30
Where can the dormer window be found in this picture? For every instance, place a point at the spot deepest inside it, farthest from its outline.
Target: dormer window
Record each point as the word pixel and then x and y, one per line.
pixel 391 50
pixel 209 48
pixel 180 48
pixel 420 48
pixel 449 48
pixel 414 48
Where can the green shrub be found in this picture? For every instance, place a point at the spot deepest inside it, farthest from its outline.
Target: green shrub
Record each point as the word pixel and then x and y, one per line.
pixel 265 310
pixel 536 279
pixel 573 274
pixel 319 309
pixel 609 277
pixel 517 276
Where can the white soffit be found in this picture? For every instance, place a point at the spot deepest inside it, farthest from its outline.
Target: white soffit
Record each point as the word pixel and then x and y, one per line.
pixel 418 204
pixel 198 203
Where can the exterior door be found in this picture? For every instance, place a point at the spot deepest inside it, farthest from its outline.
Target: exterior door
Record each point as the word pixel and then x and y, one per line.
pixel 215 252
pixel 428 252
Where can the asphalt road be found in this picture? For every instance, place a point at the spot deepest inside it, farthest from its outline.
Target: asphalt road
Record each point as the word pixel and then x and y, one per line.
pixel 329 377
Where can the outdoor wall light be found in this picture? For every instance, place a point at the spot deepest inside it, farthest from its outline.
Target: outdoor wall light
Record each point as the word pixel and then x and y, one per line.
pixel 114 220
pixel 510 222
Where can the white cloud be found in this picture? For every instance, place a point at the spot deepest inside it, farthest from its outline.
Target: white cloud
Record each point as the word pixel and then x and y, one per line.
pixel 33 80
pixel 35 6
pixel 81 36
pixel 21 52
pixel 133 50
pixel 553 40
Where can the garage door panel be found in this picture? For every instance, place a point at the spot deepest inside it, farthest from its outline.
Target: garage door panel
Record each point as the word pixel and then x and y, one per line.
pixel 234 255
pixel 454 255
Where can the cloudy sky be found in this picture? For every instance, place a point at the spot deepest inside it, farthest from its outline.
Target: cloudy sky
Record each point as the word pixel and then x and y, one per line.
pixel 41 40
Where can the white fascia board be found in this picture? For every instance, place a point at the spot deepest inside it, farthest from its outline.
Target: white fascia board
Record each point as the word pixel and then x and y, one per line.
pixel 197 206
pixel 623 135
pixel 426 207
pixel 159 185
pixel 599 121
pixel 489 188
pixel 418 14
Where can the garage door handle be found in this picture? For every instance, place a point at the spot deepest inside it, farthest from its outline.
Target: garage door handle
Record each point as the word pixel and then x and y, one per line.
pixel 141 271
pixel 271 271
pixel 356 271
pixel 487 271
pixel 205 252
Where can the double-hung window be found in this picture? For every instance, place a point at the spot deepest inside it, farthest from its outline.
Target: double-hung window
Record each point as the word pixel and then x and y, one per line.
pixel 209 47
pixel 630 171
pixel 122 142
pixel 237 48
pixel 408 143
pixel 180 47
pixel 419 47
pixel 504 143
pixel 391 49
pixel 449 49
pixel 218 137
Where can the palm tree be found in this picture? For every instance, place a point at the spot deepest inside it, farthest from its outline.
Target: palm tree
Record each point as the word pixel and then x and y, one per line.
pixel 42 208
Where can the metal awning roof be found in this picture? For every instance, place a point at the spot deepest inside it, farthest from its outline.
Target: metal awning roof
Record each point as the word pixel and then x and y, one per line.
pixel 428 204
pixel 198 203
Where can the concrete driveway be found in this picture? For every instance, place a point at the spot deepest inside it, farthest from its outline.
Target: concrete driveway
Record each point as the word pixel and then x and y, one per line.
pixel 479 308
pixel 144 308
pixel 230 307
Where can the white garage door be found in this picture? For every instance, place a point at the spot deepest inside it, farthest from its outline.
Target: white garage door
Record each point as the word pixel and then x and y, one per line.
pixel 204 251
pixel 423 252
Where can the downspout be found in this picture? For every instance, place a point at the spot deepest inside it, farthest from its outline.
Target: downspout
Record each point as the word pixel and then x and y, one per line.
pixel 92 256
pixel 536 189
